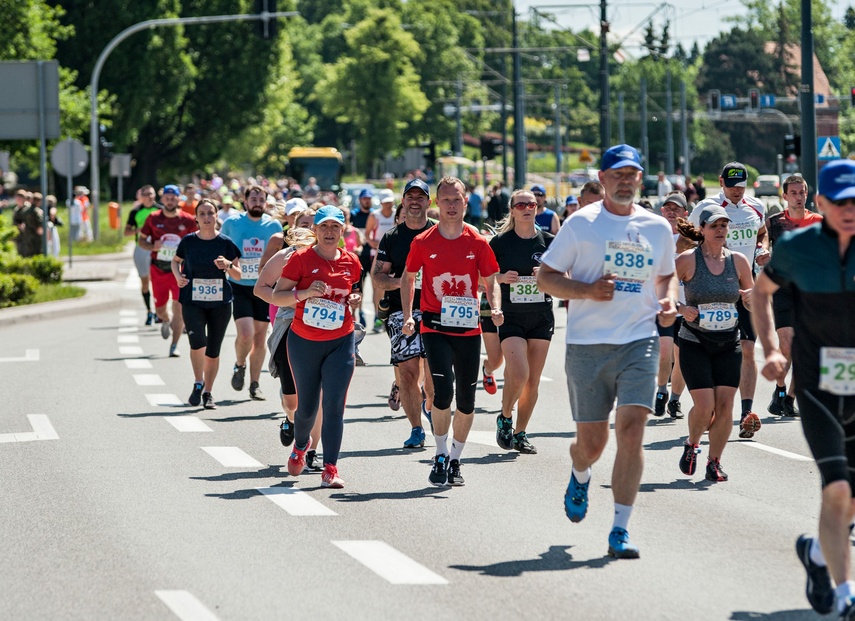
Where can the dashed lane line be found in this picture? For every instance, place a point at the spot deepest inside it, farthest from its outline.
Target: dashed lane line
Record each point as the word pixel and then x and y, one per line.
pixel 129 321
pixel 393 566
pixel 296 502
pixel 232 457
pixel 127 313
pixel 137 363
pixel 189 424
pixel 163 399
pixel 127 338
pixel 776 451
pixel 42 430
pixel 185 606
pixel 148 379
pixel 30 355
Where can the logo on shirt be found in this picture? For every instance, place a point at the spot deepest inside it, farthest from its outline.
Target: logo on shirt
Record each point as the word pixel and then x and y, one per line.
pixel 448 284
pixel 433 256
pixel 471 255
pixel 181 227
pixel 538 257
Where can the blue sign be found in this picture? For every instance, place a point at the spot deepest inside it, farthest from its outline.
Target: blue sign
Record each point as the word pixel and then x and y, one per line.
pixel 820 99
pixel 767 101
pixel 728 102
pixel 828 147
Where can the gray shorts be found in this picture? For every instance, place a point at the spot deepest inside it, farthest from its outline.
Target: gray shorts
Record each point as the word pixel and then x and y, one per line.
pixel 142 259
pixel 599 374
pixel 404 347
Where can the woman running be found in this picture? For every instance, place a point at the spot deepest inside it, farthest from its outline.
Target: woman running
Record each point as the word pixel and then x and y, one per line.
pixel 714 280
pixel 203 260
pixel 529 322
pixel 320 280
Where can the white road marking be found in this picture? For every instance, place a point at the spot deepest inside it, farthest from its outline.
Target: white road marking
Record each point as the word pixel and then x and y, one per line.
pixel 133 280
pixel 543 378
pixel 482 437
pixel 127 313
pixel 187 423
pixel 776 451
pixel 129 321
pixel 128 329
pixel 294 501
pixel 130 350
pixel 127 338
pixel 232 457
pixel 30 355
pixel 185 606
pixel 162 399
pixel 137 363
pixel 388 563
pixel 148 380
pixel 42 430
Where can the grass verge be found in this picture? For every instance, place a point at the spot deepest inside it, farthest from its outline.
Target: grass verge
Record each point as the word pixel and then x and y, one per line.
pixel 51 293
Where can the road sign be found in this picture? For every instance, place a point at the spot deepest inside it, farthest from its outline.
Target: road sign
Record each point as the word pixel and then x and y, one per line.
pixel 828 147
pixel 767 101
pixel 820 99
pixel 585 157
pixel 728 102
pixel 120 165
pixel 69 157
pixel 19 99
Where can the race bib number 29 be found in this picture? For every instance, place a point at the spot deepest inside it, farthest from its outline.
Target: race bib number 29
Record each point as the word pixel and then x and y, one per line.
pixel 837 370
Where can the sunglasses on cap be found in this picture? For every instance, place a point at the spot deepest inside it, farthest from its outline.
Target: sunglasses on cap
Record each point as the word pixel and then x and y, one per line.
pixel 522 206
pixel 538 193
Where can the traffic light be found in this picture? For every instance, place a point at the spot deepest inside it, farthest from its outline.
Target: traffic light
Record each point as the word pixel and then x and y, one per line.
pixel 105 151
pixel 754 97
pixel 266 28
pixel 715 101
pixel 490 147
pixel 429 154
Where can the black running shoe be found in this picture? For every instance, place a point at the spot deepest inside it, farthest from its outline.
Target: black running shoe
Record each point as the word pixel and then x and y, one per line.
pixel 255 392
pixel 238 375
pixel 208 401
pixel 819 591
pixel 689 458
pixel 659 406
pixel 504 432
pixel 790 407
pixel 196 396
pixel 149 319
pixel 521 443
pixel 714 471
pixel 674 409
pixel 439 472
pixel 776 405
pixel 454 477
pixel 314 461
pixel 286 432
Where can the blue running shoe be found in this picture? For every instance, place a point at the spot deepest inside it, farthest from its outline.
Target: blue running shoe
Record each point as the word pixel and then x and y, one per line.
pixel 620 545
pixel 426 413
pixel 416 439
pixel 576 499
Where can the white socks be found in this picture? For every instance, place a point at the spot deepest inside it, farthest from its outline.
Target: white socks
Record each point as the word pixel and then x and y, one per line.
pixel 582 477
pixel 844 593
pixel 816 553
pixel 456 449
pixel 441 444
pixel 622 513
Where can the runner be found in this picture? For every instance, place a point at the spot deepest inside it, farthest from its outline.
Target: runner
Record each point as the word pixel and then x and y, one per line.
pixel 142 259
pixel 379 221
pixel 591 192
pixel 492 346
pixel 546 218
pixel 451 256
pixel 259 237
pixel 817 265
pixel 321 280
pixel 408 352
pixel 359 218
pixel 160 235
pixel 571 206
pixel 747 235
pixel 714 278
pixel 795 216
pixel 529 323
pixel 203 260
pixel 614 262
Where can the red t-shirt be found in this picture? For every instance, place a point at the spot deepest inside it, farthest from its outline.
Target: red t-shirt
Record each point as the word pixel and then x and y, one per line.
pixel 450 267
pixel 170 231
pixel 305 267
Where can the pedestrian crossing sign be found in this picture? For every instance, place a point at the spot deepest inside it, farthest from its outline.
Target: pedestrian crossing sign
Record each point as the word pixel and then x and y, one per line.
pixel 828 147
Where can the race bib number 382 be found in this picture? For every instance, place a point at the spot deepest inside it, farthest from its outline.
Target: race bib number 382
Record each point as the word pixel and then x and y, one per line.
pixel 837 370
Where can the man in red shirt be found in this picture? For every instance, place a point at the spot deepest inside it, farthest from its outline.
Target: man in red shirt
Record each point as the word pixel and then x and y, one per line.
pixel 160 234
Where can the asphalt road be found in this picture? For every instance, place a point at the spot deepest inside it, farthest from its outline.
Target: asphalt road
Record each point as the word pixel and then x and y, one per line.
pixel 110 511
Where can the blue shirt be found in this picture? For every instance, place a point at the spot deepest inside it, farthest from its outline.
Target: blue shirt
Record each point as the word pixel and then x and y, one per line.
pixel 544 220
pixel 251 238
pixel 475 204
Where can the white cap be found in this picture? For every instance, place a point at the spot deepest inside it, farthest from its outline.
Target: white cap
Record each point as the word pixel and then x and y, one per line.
pixel 295 204
pixel 387 196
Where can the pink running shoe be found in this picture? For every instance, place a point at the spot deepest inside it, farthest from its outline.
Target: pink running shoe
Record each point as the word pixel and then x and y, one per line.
pixel 330 477
pixel 297 460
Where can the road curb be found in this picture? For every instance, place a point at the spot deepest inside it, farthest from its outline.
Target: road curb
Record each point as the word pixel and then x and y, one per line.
pixel 100 300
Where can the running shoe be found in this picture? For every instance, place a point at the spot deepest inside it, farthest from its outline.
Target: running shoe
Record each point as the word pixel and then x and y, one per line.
pixel 297 460
pixel 576 499
pixel 173 351
pixel 689 458
pixel 164 330
pixel 314 461
pixel 504 432
pixel 196 396
pixel 776 405
pixel 749 424
pixel 330 477
pixel 489 381
pixel 661 402
pixel 714 471
pixel 520 443
pixel 255 392
pixel 620 546
pixel 416 439
pixel 819 590
pixel 378 326
pixel 790 407
pixel 427 415
pixel 394 398
pixel 674 409
pixel 286 432
pixel 238 375
pixel 848 612
pixel 358 359
pixel 157 320
pixel 439 471
pixel 455 479
pixel 208 401
pixel 149 318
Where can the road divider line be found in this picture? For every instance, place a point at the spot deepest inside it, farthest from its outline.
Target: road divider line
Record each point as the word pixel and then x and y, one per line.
pixel 163 399
pixel 232 457
pixel 30 355
pixel 129 321
pixel 127 313
pixel 132 281
pixel 776 451
pixel 188 423
pixel 131 350
pixel 127 338
pixel 42 430
pixel 185 606
pixel 128 329
pixel 296 502
pixel 393 566
pixel 137 363
pixel 148 379
pixel 482 437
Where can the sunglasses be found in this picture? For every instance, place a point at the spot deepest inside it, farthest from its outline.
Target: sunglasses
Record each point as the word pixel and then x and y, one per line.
pixel 538 193
pixel 843 202
pixel 522 206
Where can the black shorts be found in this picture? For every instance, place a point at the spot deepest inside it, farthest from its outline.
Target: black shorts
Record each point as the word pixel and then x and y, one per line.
pixel 280 356
pixel 247 304
pixel 828 422
pixel 702 369
pixel 746 330
pixel 487 325
pixel 783 309
pixel 206 326
pixel 528 325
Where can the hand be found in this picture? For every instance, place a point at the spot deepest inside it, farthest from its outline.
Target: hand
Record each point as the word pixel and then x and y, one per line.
pixel 668 315
pixel 181 280
pixel 745 294
pixel 776 365
pixel 221 262
pixel 508 277
pixel 409 327
pixel 690 313
pixel 354 299
pixel 497 316
pixel 603 290
pixel 762 258
pixel 317 289
pixel 157 244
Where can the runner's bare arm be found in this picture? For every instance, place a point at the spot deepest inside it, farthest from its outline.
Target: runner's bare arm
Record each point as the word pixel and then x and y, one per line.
pixel 761 318
pixel 380 277
pixel 274 245
pixel 269 275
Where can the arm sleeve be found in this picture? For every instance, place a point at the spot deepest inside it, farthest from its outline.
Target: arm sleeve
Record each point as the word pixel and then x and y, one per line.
pixel 666 254
pixel 779 266
pixel 293 269
pixel 487 260
pixel 383 250
pixel 181 251
pixel 414 258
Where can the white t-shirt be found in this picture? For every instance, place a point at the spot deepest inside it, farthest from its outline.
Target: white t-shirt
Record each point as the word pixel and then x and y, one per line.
pixel 640 247
pixel 746 218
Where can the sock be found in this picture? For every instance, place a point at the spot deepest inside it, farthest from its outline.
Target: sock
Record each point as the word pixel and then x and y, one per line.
pixel 675 396
pixel 622 513
pixel 441 444
pixel 147 299
pixel 456 449
pixel 582 477
pixel 663 389
pixel 844 593
pixel 746 405
pixel 816 553
pixel 780 390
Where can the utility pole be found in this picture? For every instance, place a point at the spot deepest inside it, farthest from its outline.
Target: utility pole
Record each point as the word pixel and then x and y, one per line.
pixel 558 154
pixel 669 125
pixel 505 122
pixel 806 99
pixel 458 147
pixel 684 132
pixel 605 126
pixel 520 148
pixel 645 149
pixel 620 123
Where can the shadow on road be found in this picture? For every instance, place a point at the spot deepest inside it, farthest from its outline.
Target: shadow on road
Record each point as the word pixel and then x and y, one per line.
pixel 779 615
pixel 270 472
pixel 381 452
pixel 380 419
pixel 699 486
pixel 555 559
pixel 234 419
pixel 173 411
pixel 426 492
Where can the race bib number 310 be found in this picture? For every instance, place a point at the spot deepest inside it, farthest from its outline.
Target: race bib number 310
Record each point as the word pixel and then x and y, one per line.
pixel 459 312
pixel 837 370
pixel 629 260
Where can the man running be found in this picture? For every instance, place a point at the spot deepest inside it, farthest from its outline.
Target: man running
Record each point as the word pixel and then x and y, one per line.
pixel 817 265
pixel 614 262
pixel 379 221
pixel 259 237
pixel 142 258
pixel 545 218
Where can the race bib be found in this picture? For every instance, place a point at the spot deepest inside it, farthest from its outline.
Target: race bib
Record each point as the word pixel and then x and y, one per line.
pixel 629 260
pixel 525 291
pixel 250 258
pixel 249 268
pixel 324 314
pixel 169 245
pixel 717 317
pixel 459 312
pixel 837 370
pixel 742 235
pixel 207 290
pixel 419 279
